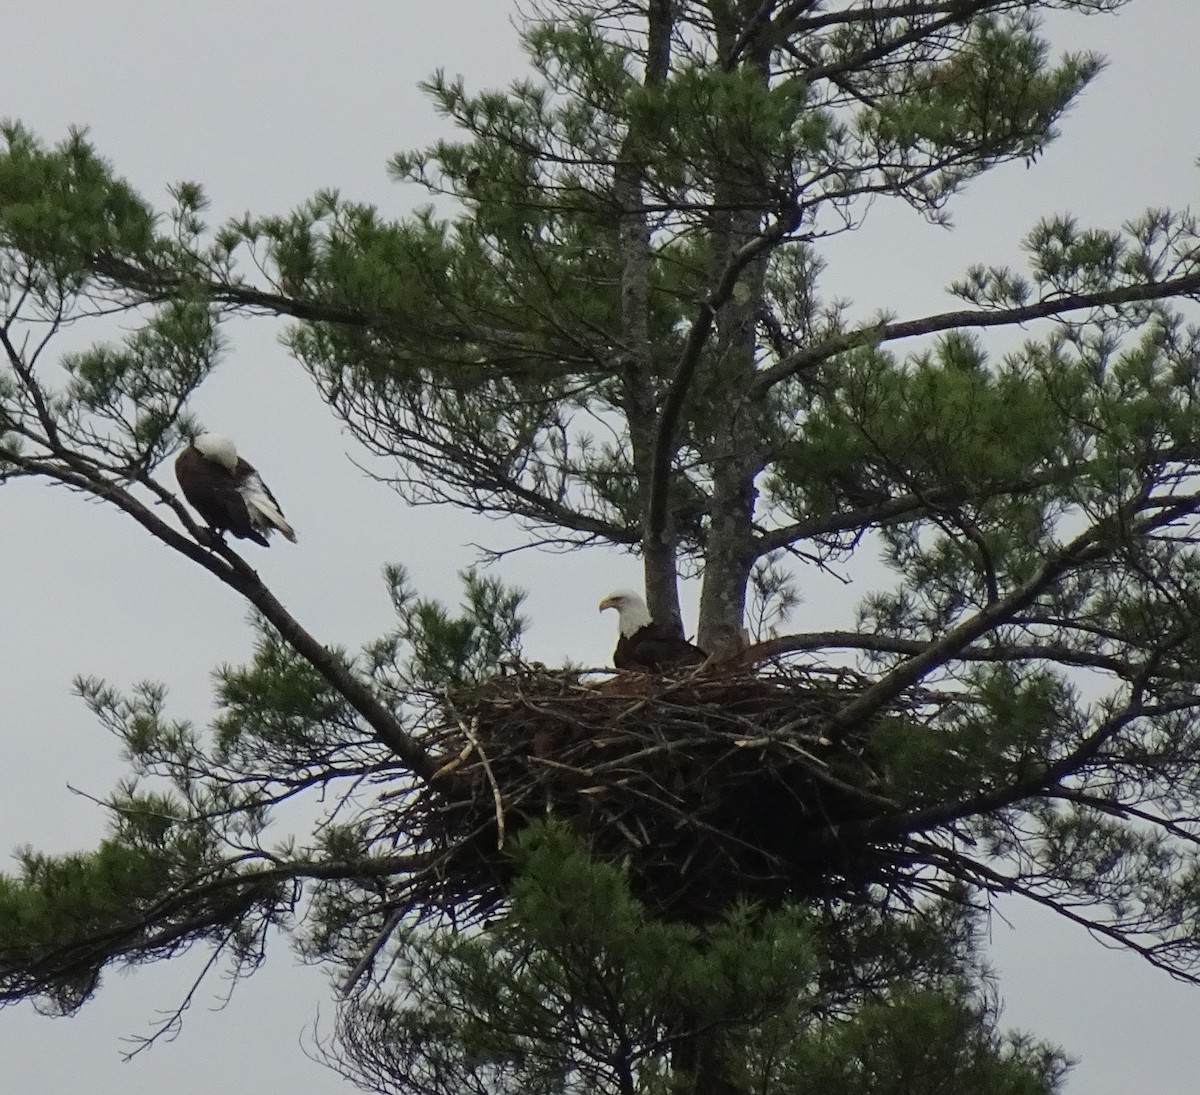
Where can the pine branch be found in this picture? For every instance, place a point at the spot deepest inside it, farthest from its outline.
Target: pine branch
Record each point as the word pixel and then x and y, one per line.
pixel 996 652
pixel 891 511
pixel 995 881
pixel 229 567
pixel 158 284
pixel 1188 285
pixel 960 13
pixel 1088 545
pixel 187 913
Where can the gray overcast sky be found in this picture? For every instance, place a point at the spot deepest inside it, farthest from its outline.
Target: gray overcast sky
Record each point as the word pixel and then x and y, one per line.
pixel 263 104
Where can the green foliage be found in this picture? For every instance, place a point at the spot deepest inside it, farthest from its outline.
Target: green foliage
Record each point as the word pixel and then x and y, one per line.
pixel 923 1041
pixel 997 92
pixel 624 280
pixel 1006 723
pixel 69 231
pixel 577 989
pixel 67 917
pixel 58 900
pixel 941 419
pixel 137 392
pixel 277 707
pixel 190 831
pixel 431 649
pixel 63 206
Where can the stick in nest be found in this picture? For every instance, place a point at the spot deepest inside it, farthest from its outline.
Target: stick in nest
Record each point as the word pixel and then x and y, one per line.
pixel 469 731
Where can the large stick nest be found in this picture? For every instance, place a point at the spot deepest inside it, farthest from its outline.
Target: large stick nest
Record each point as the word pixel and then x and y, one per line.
pixel 710 788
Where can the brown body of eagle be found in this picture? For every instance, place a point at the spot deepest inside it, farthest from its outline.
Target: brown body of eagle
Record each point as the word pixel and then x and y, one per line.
pixel 227 492
pixel 645 645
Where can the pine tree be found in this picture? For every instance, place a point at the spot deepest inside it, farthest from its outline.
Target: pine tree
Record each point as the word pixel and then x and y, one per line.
pixel 621 340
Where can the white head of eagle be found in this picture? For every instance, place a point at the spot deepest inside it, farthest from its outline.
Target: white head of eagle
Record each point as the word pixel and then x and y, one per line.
pixel 227 492
pixel 643 644
pixel 218 447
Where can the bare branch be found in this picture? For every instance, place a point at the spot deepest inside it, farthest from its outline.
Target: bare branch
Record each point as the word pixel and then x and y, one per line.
pixel 888 644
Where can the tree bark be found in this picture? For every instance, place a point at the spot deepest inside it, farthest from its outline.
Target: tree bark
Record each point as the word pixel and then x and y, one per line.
pixel 734 451
pixel 642 382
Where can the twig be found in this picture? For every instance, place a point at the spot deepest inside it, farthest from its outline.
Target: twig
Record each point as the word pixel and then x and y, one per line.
pixel 491 778
pixel 373 950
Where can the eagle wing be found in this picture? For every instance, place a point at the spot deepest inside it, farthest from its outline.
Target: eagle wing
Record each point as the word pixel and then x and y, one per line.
pixel 262 510
pixel 231 511
pixel 213 493
pixel 654 649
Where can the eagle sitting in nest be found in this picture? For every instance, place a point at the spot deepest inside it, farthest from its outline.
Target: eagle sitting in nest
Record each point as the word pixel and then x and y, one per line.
pixel 644 645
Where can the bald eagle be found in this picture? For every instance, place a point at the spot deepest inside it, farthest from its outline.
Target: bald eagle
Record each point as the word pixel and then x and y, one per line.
pixel 643 644
pixel 227 492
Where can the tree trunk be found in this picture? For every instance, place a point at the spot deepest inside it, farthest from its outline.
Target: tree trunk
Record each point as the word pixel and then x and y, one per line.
pixel 734 451
pixel 642 382
pixel 698 1061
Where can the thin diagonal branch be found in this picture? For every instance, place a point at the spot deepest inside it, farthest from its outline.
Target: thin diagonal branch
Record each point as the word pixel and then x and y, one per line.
pixel 889 644
pixel 225 564
pixel 1188 285
pixel 1084 547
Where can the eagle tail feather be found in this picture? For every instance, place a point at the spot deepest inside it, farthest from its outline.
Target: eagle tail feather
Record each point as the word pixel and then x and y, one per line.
pixel 260 503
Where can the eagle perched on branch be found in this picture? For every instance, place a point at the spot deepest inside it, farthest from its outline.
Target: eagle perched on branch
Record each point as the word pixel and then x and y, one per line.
pixel 227 492
pixel 643 644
